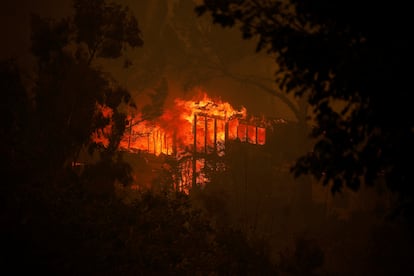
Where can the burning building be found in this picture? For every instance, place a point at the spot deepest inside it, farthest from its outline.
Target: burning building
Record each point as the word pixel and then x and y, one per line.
pixel 191 131
pixel 193 125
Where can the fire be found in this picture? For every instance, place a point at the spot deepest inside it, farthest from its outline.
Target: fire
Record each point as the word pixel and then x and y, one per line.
pixel 191 130
pixel 198 125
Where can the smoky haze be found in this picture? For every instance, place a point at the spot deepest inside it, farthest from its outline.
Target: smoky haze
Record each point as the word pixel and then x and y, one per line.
pixel 172 186
pixel 187 50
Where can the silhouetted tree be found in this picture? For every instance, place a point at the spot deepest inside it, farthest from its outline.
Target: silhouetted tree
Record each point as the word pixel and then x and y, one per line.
pixel 14 106
pixel 105 28
pixel 350 60
pixel 305 260
pixel 48 121
pixel 70 92
pixel 14 116
pixel 60 221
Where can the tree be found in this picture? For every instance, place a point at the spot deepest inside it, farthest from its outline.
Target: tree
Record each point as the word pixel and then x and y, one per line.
pixel 106 28
pixel 14 114
pixel 70 92
pixel 193 52
pixel 48 121
pixel 349 60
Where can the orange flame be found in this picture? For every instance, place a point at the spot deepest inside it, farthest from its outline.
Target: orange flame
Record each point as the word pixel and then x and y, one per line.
pixel 198 126
pixel 204 118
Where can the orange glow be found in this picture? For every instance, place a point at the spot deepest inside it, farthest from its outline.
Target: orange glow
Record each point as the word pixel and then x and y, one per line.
pixel 261 136
pixel 101 135
pixel 173 132
pixel 189 130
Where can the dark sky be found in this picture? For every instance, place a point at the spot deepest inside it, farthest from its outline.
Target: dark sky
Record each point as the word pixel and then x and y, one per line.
pixel 15 33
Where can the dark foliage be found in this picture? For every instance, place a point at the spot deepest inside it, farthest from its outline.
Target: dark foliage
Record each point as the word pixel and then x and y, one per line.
pixel 305 260
pixel 350 59
pixel 69 92
pixel 106 28
pixel 61 218
pixel 74 230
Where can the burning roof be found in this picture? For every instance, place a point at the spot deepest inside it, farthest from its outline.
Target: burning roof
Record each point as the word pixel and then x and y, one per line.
pixel 201 125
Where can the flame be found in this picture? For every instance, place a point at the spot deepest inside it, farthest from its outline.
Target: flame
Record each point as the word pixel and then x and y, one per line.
pixel 190 128
pixel 199 123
